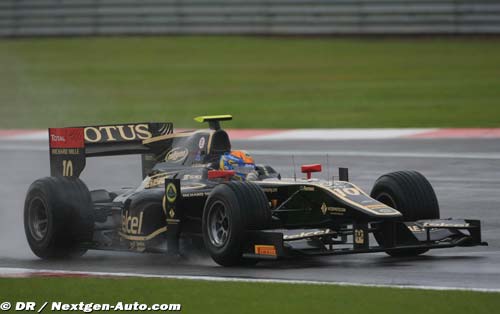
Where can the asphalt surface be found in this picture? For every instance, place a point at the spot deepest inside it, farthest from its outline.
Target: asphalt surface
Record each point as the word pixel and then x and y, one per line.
pixel 465 174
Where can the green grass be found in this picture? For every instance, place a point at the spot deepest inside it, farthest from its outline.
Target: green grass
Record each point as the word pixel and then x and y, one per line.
pixel 263 82
pixel 232 297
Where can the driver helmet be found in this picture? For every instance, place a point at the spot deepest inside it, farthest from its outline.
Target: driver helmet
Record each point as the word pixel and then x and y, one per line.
pixel 239 161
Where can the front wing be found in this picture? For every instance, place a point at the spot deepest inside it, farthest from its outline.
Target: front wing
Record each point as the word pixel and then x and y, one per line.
pixel 353 239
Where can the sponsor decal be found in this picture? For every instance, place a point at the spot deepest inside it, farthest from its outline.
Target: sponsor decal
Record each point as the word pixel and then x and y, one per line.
pixel 150 236
pixel 359 236
pixel 445 224
pixel 177 154
pixel 333 210
pixel 117 133
pixel 324 209
pixel 307 188
pixel 66 138
pixel 139 245
pixel 386 211
pixel 269 250
pixel 344 192
pixel 171 193
pixel 194 185
pixel 131 224
pixel 377 206
pixel 270 190
pixel 168 200
pixel 192 177
pixel 65 151
pixel 156 180
pixel 195 194
pixel 415 228
pixel 173 221
pixel 308 234
pixel 200 165
pixel 201 143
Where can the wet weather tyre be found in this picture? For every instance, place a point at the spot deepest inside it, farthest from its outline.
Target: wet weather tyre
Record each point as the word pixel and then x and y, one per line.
pixel 411 194
pixel 58 217
pixel 230 210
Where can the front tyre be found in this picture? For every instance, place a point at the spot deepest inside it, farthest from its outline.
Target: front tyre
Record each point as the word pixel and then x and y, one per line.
pixel 412 195
pixel 58 217
pixel 230 210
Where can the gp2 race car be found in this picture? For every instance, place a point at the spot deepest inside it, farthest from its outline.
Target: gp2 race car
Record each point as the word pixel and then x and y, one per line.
pixel 185 195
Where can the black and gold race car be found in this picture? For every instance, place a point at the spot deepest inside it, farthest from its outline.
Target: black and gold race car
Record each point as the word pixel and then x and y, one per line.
pixel 185 196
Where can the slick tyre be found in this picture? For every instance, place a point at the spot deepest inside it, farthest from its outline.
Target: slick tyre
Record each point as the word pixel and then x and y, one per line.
pixel 58 217
pixel 412 195
pixel 230 210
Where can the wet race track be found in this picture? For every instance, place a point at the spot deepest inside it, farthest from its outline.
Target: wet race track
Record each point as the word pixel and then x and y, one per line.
pixel 465 174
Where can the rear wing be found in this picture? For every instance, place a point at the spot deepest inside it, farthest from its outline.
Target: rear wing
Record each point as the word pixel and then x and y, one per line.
pixel 69 147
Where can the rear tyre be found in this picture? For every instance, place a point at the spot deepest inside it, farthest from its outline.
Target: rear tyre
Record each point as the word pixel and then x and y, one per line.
pixel 230 210
pixel 58 217
pixel 412 195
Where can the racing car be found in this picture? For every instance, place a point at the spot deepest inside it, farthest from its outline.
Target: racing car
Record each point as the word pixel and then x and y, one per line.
pixel 195 189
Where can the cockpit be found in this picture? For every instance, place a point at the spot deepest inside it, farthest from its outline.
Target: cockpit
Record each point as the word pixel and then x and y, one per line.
pixel 191 154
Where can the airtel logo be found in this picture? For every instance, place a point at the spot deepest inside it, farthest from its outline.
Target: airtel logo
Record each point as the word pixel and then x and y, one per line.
pixel 57 138
pixel 132 224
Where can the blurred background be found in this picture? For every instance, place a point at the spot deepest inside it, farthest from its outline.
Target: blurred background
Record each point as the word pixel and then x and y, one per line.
pixel 271 63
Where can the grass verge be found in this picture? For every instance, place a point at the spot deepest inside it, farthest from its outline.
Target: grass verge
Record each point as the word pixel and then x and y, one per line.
pixel 234 297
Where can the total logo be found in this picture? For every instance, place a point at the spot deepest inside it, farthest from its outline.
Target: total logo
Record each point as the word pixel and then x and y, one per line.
pixel 66 138
pixel 57 138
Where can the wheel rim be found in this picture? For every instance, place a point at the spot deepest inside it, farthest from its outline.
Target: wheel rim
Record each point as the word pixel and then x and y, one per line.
pixel 218 224
pixel 38 219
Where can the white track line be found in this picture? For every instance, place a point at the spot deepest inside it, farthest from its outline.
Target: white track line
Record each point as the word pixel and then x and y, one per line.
pixel 460 155
pixel 16 272
pixel 342 134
